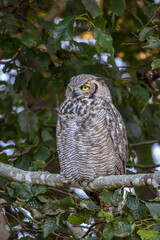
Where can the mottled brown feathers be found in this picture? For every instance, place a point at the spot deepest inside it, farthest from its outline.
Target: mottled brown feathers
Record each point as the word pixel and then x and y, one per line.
pixel 91 135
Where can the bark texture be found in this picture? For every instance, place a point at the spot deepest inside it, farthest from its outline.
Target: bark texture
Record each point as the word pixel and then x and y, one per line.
pixel 58 181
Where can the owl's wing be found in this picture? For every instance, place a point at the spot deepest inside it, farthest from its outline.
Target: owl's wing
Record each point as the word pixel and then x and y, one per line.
pixel 117 132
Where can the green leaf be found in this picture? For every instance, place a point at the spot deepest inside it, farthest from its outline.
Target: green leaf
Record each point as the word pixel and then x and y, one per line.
pixel 137 208
pixel 64 30
pixel 46 135
pixel 107 196
pixel 117 7
pixel 35 203
pixel 117 197
pixel 14 189
pixel 37 84
pixel 27 121
pixel 147 234
pixel 154 209
pixel 92 7
pixel 14 3
pixel 141 95
pixel 107 215
pixel 51 144
pixel 115 73
pixel 139 213
pixel 145 33
pixel 84 213
pixel 27 54
pixel 49 225
pixel 3 157
pixel 43 198
pixel 42 153
pixel 100 22
pixel 6 106
pixel 2 181
pixel 67 202
pixel 153 42
pixel 150 10
pixel 43 60
pixel 27 39
pixel 156 63
pixel 44 115
pixel 122 227
pixel 134 130
pixel 74 219
pixel 53 205
pixel 37 189
pixel 139 21
pixel 45 24
pixel 26 191
pixel 51 45
pixel 104 41
pixel 20 82
pixel 38 164
pixel 108 231
pixel 131 201
pixel 36 35
pixel 89 204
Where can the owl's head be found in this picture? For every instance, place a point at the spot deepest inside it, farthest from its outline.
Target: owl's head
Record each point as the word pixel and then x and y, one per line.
pixel 87 86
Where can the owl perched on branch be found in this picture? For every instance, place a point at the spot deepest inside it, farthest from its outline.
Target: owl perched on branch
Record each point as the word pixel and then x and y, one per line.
pixel 91 135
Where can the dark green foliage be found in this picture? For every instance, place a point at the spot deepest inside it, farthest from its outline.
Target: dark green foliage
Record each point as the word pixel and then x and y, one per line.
pixel 118 7
pixel 39 54
pixel 64 30
pixel 92 7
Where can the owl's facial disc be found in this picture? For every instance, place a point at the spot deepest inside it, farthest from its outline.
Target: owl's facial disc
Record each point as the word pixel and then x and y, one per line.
pixel 86 90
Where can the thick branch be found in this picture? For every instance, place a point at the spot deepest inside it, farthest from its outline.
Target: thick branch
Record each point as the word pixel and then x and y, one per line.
pixel 56 180
pixel 31 177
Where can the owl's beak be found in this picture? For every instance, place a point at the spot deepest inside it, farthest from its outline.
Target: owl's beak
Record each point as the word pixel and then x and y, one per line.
pixel 74 95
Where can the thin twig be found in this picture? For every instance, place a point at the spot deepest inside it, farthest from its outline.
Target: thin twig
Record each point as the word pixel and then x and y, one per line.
pixel 90 228
pixel 27 216
pixel 22 230
pixel 49 125
pixel 6 219
pixel 143 166
pixel 13 217
pixel 17 154
pixel 26 68
pixel 11 60
pixel 144 143
pixel 47 108
pixel 25 18
pixel 151 19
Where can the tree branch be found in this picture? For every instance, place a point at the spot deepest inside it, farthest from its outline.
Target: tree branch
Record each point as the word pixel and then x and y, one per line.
pixel 57 180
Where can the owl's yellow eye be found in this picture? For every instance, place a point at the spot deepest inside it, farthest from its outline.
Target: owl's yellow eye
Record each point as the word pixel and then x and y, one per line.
pixel 85 88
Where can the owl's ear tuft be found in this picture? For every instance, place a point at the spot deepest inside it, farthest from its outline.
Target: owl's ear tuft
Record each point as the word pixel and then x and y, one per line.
pixel 100 79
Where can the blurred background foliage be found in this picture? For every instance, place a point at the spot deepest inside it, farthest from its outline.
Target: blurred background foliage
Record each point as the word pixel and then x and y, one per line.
pixel 42 44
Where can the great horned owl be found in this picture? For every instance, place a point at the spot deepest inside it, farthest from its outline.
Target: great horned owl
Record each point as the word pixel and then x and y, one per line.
pixel 91 135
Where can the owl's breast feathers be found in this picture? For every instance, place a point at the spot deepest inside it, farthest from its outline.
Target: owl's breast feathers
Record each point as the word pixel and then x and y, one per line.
pixel 91 139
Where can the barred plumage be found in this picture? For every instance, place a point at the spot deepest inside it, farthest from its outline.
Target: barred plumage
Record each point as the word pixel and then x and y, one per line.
pixel 91 135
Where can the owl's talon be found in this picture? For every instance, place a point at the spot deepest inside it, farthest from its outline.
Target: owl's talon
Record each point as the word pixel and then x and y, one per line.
pixel 89 182
pixel 83 183
pixel 80 183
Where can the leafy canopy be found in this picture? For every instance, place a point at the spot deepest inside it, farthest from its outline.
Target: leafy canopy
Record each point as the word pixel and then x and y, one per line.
pixel 42 45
